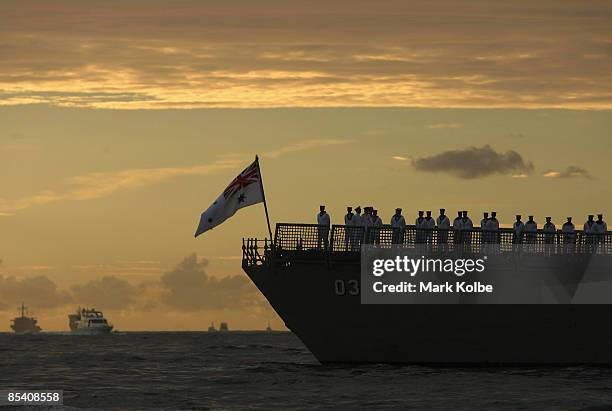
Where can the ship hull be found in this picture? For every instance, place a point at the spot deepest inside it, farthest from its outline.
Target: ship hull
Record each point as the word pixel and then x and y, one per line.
pixel 90 331
pixel 340 329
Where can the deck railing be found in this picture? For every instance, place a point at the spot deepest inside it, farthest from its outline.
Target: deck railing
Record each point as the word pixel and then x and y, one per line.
pixel 312 242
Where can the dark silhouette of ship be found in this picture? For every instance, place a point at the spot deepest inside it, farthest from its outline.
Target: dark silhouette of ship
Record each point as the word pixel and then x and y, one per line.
pixel 24 324
pixel 211 328
pixel 223 327
pixel 314 286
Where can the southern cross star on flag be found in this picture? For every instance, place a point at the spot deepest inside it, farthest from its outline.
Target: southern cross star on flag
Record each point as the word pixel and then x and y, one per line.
pixel 243 191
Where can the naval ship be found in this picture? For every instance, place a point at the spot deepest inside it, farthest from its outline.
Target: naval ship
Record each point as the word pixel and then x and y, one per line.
pixel 24 324
pixel 315 286
pixel 89 322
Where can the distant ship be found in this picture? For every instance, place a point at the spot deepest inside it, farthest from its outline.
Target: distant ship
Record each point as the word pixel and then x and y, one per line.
pixel 89 321
pixel 268 328
pixel 24 324
pixel 212 328
pixel 311 275
pixel 223 327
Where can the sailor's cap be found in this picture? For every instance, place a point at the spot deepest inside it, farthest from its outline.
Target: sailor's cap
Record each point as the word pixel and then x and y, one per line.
pixel 443 209
pixel 398 209
pixel 599 215
pixel 518 215
pixel 530 216
pixel 349 208
pixel 591 216
pixel 549 218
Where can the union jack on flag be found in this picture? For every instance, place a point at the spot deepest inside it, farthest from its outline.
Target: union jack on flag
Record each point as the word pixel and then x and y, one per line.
pixel 240 193
pixel 249 176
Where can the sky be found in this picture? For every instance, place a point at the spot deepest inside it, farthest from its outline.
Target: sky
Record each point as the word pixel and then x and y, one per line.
pixel 120 122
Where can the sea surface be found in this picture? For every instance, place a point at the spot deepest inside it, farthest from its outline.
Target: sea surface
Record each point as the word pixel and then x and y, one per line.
pixel 258 370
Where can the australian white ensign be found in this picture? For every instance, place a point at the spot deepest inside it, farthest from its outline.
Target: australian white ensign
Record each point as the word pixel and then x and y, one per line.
pixel 243 191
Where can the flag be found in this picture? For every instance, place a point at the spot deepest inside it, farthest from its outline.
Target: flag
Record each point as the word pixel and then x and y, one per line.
pixel 243 191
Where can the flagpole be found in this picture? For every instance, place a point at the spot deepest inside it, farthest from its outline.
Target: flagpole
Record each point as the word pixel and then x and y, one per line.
pixel 263 194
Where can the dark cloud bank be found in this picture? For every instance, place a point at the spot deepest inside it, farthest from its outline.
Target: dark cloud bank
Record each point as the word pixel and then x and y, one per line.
pixel 186 288
pixel 474 162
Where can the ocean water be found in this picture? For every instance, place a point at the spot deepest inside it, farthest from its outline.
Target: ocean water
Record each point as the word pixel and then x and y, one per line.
pixel 257 370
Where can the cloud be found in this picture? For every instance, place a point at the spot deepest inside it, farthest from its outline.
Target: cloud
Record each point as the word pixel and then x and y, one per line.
pixel 188 287
pixel 109 292
pixel 101 184
pixel 446 125
pixel 96 185
pixel 474 162
pixel 343 53
pixel 39 292
pixel 569 172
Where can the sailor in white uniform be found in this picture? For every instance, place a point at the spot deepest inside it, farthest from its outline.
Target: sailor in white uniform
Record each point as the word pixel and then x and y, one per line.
pixel 518 228
pixel 367 221
pixel 349 221
pixel 428 225
pixel 443 224
pixel 569 231
pixel 599 229
pixel 357 217
pixel 399 224
pixel 494 227
pixel 418 224
pixel 466 226
pixel 458 228
pixel 588 229
pixel 484 228
pixel 324 222
pixel 549 231
pixel 377 225
pixel 531 229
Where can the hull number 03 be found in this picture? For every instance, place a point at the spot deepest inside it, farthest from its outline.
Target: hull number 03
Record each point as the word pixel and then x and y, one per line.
pixel 346 287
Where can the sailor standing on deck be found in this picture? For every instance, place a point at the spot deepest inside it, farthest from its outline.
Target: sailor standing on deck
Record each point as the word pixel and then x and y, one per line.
pixel 323 221
pixel 466 226
pixel 569 231
pixel 357 230
pixel 494 227
pixel 549 231
pixel 399 225
pixel 599 229
pixel 443 224
pixel 484 228
pixel 349 222
pixel 531 229
pixel 429 224
pixel 377 224
pixel 588 229
pixel 458 229
pixel 518 228
pixel 418 224
pixel 367 222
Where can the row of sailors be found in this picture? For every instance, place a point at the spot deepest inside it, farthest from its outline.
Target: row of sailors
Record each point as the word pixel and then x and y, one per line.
pixel 462 222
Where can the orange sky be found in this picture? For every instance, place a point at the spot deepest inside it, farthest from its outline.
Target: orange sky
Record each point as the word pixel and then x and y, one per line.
pixel 121 121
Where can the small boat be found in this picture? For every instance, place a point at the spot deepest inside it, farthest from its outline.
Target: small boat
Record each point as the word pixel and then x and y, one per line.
pixel 223 327
pixel 268 328
pixel 89 322
pixel 212 328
